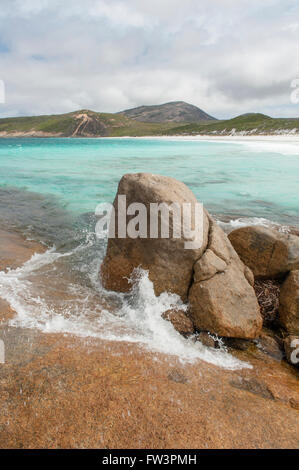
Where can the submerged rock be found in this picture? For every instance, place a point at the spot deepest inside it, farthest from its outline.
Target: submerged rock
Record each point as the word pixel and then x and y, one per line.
pixel 180 321
pixel 207 340
pixel 268 253
pixel 289 303
pixel 253 385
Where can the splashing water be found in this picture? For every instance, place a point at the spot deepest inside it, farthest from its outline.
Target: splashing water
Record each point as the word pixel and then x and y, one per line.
pixel 50 295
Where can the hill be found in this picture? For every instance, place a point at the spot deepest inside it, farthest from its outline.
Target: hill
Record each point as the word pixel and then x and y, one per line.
pixel 176 111
pixel 86 123
pixel 250 123
pixel 83 123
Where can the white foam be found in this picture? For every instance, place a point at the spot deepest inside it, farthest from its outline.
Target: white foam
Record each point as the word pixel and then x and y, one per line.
pixel 247 221
pixel 283 148
pixel 136 319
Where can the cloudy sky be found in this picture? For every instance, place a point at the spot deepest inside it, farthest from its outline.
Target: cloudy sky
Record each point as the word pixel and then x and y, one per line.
pixel 225 56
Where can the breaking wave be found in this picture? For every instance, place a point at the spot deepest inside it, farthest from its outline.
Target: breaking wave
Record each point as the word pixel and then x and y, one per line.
pixel 233 224
pixel 60 292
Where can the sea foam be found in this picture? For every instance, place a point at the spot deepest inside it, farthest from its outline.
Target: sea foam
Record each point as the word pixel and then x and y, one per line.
pixel 135 317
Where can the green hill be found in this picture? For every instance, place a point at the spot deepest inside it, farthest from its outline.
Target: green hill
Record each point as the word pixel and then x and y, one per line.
pixel 251 123
pixel 86 123
pixel 175 111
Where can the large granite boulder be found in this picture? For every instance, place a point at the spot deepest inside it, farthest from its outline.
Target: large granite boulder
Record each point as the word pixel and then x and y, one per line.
pixel 169 263
pixel 212 278
pixel 268 253
pixel 289 303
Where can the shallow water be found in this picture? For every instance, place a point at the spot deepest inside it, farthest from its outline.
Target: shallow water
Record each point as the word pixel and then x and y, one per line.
pixel 257 179
pixel 49 189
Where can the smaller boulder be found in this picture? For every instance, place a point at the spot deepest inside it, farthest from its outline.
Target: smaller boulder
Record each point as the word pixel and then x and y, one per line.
pixel 207 340
pixel 180 321
pixel 268 253
pixel 226 305
pixel 291 347
pixel 289 303
pixel 270 344
pixel 221 299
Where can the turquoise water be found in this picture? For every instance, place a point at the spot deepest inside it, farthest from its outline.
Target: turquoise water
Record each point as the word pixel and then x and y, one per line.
pixel 231 178
pixel 49 189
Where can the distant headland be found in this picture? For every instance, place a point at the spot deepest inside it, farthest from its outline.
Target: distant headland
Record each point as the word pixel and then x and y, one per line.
pixel 174 118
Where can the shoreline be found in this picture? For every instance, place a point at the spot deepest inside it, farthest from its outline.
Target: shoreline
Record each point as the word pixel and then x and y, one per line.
pixel 282 138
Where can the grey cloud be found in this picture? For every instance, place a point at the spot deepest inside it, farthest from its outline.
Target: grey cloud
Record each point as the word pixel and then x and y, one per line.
pixel 225 56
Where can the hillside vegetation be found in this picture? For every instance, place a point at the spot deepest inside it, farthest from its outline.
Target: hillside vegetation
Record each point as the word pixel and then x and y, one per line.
pixel 86 123
pixel 82 123
pixel 253 123
pixel 176 111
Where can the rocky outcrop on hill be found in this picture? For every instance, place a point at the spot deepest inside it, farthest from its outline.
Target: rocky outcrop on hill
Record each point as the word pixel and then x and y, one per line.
pixel 89 125
pixel 268 253
pixel 212 278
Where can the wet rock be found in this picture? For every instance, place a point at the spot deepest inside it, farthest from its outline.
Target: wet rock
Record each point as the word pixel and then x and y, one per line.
pixel 268 253
pixel 294 403
pixel 238 343
pixel 180 321
pixel 15 249
pixel 253 385
pixel 176 376
pixel 289 303
pixel 207 340
pixel 291 347
pixel 270 344
pixel 6 312
pixel 114 394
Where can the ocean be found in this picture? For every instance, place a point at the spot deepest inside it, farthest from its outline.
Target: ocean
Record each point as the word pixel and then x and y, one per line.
pixel 49 189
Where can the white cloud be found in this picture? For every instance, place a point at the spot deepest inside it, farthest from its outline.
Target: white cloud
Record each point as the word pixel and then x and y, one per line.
pixel 225 56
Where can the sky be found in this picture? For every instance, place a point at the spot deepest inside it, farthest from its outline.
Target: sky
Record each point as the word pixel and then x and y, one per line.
pixel 227 57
